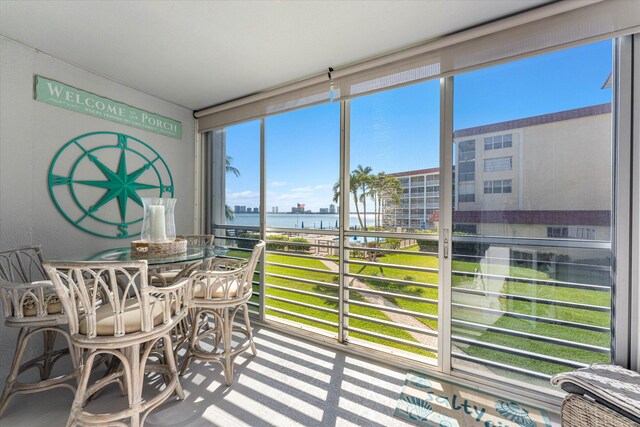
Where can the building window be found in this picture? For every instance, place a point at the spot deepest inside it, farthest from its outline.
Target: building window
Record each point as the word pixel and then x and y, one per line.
pixel 465 228
pixel 467 171
pixel 584 233
pixel 556 232
pixel 467 160
pixel 497 142
pixel 498 164
pixel 498 186
pixel 465 198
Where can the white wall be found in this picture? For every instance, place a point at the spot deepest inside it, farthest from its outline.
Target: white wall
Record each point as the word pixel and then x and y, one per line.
pixel 31 132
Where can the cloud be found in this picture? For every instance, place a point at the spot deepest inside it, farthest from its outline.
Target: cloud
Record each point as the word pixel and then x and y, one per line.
pixel 242 195
pixel 279 184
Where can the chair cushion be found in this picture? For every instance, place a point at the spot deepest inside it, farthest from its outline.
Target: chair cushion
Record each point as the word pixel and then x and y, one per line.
pixel 168 276
pixel 105 320
pixel 217 291
pixel 54 306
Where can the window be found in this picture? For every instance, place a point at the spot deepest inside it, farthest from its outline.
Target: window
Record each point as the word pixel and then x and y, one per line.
pixel 497 142
pixel 466 160
pixel 584 233
pixel 498 164
pixel 497 186
pixel 467 171
pixel 563 205
pixel 465 228
pixel 236 164
pixel 291 186
pixel 558 232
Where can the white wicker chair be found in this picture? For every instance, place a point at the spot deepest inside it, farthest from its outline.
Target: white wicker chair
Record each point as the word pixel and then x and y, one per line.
pixel 112 310
pixel 31 304
pixel 221 293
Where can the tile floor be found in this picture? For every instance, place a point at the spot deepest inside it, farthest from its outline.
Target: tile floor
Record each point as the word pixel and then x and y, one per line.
pixel 290 383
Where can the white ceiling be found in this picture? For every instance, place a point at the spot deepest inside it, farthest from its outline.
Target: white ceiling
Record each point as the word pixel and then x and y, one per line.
pixel 201 53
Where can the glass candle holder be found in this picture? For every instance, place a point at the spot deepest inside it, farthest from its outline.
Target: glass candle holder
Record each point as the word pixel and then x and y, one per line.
pixel 158 221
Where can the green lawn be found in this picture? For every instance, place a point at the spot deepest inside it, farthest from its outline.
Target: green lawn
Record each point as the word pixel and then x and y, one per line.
pixel 330 278
pixel 511 287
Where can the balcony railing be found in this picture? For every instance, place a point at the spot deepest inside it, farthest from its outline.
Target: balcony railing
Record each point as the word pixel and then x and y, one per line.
pixel 533 308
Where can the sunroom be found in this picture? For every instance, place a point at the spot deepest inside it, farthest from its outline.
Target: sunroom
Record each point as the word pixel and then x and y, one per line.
pixel 370 213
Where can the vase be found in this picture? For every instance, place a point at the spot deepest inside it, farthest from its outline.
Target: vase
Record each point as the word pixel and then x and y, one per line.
pixel 158 221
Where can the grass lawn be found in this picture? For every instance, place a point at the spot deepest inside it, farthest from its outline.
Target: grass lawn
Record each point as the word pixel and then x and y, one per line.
pixel 330 278
pixel 512 286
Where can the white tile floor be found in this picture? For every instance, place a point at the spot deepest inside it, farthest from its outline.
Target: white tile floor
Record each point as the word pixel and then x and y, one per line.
pixel 289 383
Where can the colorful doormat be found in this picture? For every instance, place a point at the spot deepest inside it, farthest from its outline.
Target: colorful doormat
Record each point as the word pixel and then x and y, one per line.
pixel 427 401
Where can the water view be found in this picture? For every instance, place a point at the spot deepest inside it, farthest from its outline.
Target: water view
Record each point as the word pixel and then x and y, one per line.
pixel 282 220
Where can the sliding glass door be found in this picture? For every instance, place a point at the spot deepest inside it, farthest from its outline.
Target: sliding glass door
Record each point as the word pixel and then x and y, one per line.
pixel 464 223
pixel 391 244
pixel 532 216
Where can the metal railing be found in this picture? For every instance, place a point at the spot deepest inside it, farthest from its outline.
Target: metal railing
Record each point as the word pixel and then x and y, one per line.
pixel 520 318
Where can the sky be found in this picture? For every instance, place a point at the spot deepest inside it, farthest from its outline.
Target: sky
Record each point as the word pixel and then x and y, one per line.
pixel 398 130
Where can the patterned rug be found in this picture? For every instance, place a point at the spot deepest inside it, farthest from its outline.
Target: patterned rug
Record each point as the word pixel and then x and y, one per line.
pixel 427 401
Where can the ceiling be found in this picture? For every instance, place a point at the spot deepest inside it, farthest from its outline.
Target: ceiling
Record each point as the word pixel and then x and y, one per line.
pixel 202 53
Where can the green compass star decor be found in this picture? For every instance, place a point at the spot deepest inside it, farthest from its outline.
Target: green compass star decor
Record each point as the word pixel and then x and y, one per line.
pixel 97 180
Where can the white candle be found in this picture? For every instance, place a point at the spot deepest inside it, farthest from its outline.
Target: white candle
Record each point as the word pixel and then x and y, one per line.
pixel 157 224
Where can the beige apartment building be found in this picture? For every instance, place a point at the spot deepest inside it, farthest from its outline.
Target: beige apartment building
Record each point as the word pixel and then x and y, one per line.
pixel 512 179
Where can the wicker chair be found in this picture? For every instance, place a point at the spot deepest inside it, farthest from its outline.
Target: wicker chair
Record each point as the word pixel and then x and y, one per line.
pixel 31 304
pixel 580 411
pixel 600 395
pixel 112 310
pixel 221 293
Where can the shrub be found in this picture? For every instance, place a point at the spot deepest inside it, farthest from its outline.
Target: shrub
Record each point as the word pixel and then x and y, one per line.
pixel 355 253
pixel 274 246
pixel 248 244
pixel 373 255
pixel 428 245
pixel 392 243
pixel 299 247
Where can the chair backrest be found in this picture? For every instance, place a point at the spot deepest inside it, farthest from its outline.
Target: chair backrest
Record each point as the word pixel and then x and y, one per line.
pixel 84 287
pixel 251 265
pixel 199 239
pixel 231 279
pixel 21 281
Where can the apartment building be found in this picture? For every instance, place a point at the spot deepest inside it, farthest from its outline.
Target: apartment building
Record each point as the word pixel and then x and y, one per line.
pixel 511 179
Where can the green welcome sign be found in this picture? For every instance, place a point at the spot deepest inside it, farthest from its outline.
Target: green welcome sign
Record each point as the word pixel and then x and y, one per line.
pixel 59 94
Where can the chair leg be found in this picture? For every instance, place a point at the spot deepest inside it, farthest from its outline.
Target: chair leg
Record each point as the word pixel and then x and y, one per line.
pixel 21 344
pixel 192 341
pixel 49 338
pixel 171 361
pixel 247 324
pixel 137 376
pixel 227 329
pixel 80 397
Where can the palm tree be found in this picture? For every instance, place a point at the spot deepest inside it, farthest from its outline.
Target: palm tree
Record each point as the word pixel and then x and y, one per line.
pixel 230 168
pixel 228 213
pixel 360 187
pixel 388 189
pixel 361 179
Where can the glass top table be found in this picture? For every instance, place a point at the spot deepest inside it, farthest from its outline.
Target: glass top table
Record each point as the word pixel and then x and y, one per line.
pixel 193 253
